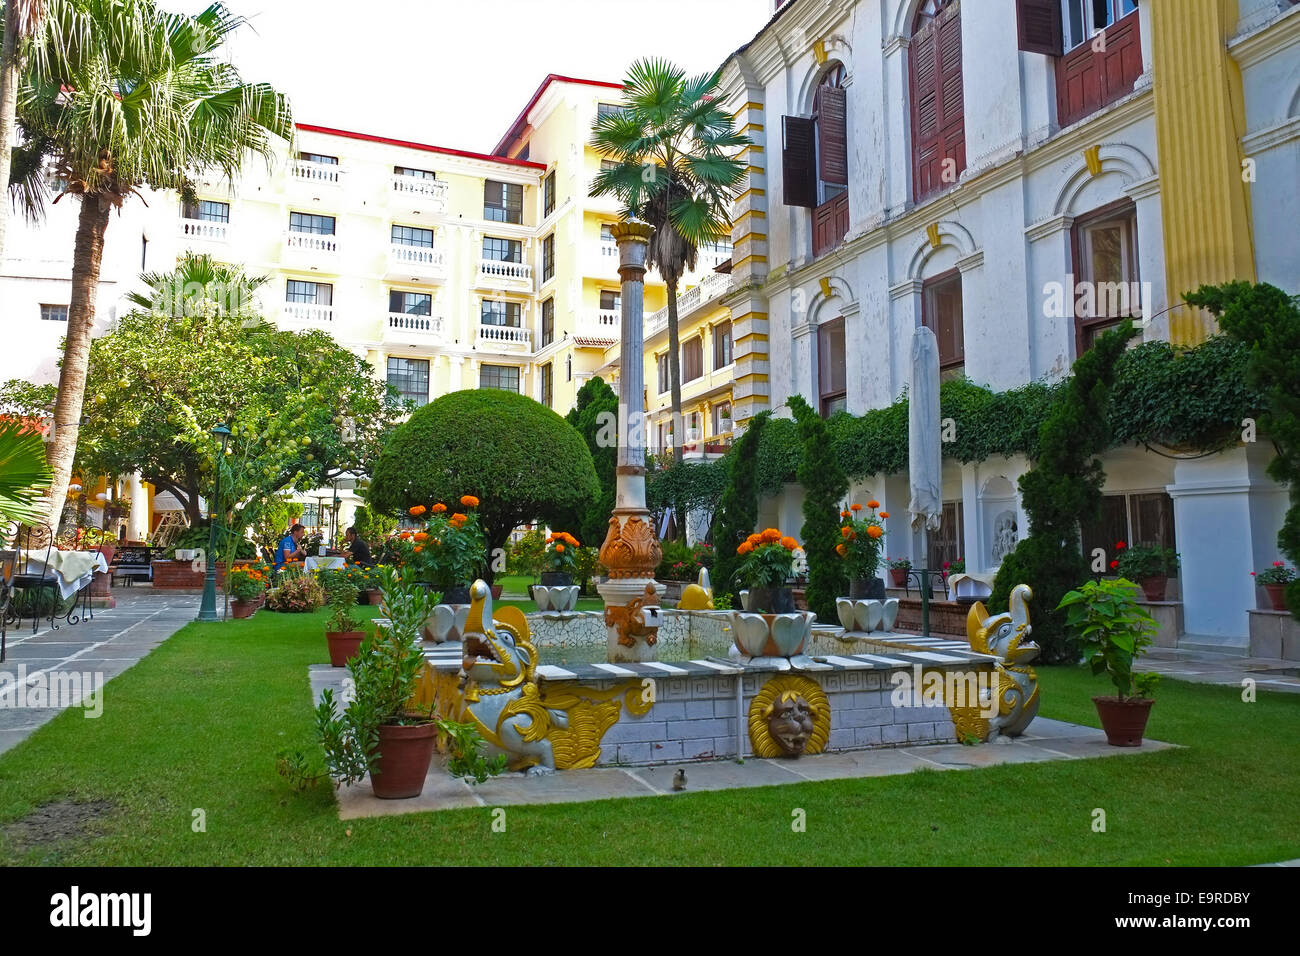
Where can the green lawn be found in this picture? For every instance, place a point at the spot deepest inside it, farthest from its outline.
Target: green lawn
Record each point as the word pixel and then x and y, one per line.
pixel 197 723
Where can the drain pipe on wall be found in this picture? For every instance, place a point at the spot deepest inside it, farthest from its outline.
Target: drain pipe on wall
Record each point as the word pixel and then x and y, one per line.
pixel 740 717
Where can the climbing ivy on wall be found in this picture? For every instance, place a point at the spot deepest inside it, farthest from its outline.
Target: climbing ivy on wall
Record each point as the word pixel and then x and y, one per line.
pixel 738 511
pixel 1266 321
pixel 1062 489
pixel 824 487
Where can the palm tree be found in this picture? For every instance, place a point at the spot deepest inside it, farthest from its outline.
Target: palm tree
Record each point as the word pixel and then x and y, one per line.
pixel 674 149
pixel 22 19
pixel 120 95
pixel 24 475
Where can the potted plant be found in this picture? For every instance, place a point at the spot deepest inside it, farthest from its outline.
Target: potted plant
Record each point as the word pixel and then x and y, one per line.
pixel 1149 566
pixel 898 570
pixel 447 553
pixel 378 732
pixel 342 632
pixel 247 588
pixel 1275 580
pixel 769 625
pixel 1113 631
pixel 295 591
pixel 861 536
pixel 559 559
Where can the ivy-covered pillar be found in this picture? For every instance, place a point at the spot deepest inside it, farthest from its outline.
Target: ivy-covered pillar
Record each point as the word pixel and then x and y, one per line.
pixel 631 550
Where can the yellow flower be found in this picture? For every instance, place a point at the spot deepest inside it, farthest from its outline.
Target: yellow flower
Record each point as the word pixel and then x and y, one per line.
pixel 874 531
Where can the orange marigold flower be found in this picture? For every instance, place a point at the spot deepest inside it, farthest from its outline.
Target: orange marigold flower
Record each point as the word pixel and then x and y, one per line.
pixel 841 550
pixel 745 548
pixel 439 508
pixel 469 501
pixel 419 548
pixel 404 535
pixel 559 549
pixel 884 514
pixel 844 514
pixel 771 534
pixel 789 543
pixel 855 506
pixel 754 539
pixel 846 532
pixel 417 510
pixel 874 531
pixel 421 535
pixel 873 504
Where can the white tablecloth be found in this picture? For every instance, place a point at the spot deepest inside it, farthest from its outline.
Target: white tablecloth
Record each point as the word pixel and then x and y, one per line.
pixel 73 570
pixel 313 562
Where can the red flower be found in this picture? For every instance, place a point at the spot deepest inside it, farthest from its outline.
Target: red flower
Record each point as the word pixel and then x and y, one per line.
pixel 1114 565
pixel 1277 564
pixel 1120 546
pixel 1252 574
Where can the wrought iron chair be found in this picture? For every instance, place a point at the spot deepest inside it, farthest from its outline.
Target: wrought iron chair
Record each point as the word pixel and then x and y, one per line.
pixel 30 573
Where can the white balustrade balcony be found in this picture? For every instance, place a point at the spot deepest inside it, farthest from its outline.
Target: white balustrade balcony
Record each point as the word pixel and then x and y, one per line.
pixel 514 276
pixel 608 248
pixel 429 194
pixel 202 232
pixel 315 174
pixel 505 338
pixel 416 263
pixel 713 286
pixel 309 250
pixel 604 324
pixel 307 315
pixel 415 329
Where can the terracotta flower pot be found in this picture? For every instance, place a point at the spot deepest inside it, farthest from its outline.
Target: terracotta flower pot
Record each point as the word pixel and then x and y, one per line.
pixel 1277 595
pixel 242 609
pixel 1154 587
pixel 343 645
pixel 1123 720
pixel 402 760
pixel 496 591
pixel 374 596
pixel 898 576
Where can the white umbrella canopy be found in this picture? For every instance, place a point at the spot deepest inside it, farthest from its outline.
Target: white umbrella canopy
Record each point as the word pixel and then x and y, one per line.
pixel 924 456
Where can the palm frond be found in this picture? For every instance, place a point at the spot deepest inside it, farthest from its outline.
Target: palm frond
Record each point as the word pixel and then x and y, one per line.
pixel 24 474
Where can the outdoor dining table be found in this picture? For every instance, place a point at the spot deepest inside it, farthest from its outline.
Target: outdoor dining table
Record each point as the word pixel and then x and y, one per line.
pixel 73 570
pixel 312 562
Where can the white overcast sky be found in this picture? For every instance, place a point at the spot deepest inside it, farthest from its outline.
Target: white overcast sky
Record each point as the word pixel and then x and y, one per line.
pixel 457 72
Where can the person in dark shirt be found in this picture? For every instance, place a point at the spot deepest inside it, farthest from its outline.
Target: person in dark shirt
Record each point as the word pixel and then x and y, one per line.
pixel 357 550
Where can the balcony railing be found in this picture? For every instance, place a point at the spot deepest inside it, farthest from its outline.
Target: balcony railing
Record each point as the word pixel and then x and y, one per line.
pixel 495 272
pixel 431 192
pixel 306 171
pixel 605 324
pixel 712 255
pixel 418 260
pixel 203 230
pixel 608 247
pixel 713 285
pixel 311 242
pixel 431 326
pixel 502 336
pixel 308 313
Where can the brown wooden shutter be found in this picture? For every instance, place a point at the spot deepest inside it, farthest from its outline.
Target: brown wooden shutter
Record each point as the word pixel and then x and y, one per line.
pixel 1039 26
pixel 833 147
pixel 798 163
pixel 925 111
pixel 953 111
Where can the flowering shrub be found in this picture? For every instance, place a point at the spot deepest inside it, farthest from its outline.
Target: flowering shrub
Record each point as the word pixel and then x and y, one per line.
pixel 954 567
pixel 561 553
pixel 860 539
pixel 1279 573
pixel 768 559
pixel 704 555
pixel 297 594
pixel 900 564
pixel 449 551
pixel 248 581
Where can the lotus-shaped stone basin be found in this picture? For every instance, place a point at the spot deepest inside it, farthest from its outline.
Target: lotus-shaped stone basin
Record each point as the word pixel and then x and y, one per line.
pixel 446 623
pixel 771 635
pixel 560 598
pixel 867 615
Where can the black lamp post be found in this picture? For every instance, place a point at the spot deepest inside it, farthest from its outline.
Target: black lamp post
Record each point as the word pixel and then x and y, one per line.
pixel 208 609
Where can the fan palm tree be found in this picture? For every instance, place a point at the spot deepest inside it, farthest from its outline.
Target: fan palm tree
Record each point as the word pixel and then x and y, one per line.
pixel 24 475
pixel 22 20
pixel 119 95
pixel 674 150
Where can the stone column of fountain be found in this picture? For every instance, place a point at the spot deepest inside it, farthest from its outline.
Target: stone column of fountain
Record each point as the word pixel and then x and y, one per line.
pixel 631 550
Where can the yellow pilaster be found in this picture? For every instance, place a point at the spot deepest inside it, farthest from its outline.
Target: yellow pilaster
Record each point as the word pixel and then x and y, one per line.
pixel 1200 117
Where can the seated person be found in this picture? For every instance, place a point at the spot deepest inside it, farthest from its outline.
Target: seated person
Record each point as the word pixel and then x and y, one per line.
pixel 288 549
pixel 357 550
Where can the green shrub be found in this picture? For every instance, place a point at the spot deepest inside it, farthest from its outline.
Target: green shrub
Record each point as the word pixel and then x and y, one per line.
pixel 595 407
pixel 738 511
pixel 1136 563
pixel 678 562
pixel 520 459
pixel 824 486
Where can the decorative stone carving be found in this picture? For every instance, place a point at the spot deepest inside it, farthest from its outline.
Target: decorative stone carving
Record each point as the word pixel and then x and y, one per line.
pixel 771 635
pixel 446 623
pixel 867 615
pixel 1005 636
pixel 562 598
pixel 637 618
pixel 789 716
pixel 631 549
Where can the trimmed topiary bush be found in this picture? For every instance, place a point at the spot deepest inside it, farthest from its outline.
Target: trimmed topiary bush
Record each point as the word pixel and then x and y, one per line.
pixel 520 459
pixel 738 509
pixel 1062 489
pixel 596 406
pixel 824 487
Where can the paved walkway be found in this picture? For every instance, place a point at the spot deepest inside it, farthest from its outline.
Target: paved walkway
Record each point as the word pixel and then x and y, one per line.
pixel 1206 667
pixel 107 645
pixel 1045 740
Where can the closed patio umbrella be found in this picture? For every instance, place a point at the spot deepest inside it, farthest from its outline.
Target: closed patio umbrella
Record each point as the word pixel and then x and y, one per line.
pixel 924 457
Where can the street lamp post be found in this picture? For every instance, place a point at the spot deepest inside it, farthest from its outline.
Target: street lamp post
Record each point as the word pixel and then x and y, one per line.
pixel 208 609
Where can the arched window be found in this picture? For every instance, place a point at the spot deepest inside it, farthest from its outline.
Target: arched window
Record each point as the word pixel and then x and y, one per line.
pixel 938 105
pixel 815 160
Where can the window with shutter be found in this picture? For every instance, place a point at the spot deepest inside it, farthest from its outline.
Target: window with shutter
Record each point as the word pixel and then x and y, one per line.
pixel 831 218
pixel 798 166
pixel 1089 78
pixel 832 373
pixel 938 109
pixel 1039 26
pixel 941 312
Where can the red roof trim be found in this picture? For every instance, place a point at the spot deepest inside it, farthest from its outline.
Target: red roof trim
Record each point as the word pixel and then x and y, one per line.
pixel 307 127
pixel 522 118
